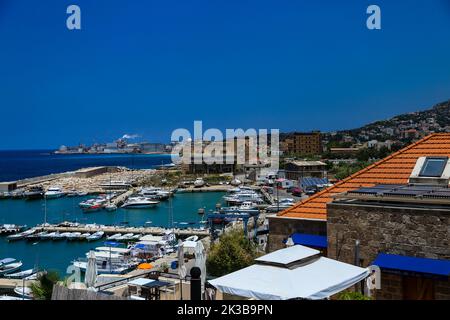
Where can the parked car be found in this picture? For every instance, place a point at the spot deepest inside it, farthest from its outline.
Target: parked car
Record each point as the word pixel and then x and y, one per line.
pixel 297 192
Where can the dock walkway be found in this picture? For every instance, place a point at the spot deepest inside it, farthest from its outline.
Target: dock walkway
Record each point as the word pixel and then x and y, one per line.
pixel 124 230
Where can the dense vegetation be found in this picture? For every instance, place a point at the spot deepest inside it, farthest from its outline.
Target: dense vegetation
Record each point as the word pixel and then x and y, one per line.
pixel 232 252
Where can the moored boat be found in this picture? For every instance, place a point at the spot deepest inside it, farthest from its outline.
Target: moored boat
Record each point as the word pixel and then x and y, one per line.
pixel 139 203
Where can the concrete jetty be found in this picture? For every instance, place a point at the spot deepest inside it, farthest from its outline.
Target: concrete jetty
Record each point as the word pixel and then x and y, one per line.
pixel 12 283
pixel 123 230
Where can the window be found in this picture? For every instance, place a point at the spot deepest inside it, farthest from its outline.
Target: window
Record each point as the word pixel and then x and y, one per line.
pixel 433 167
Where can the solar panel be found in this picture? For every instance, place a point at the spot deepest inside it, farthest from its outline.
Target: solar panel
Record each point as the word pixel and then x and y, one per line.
pixel 423 191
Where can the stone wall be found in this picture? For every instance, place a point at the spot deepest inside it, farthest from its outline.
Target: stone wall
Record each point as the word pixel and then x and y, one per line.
pixel 409 231
pixel 281 228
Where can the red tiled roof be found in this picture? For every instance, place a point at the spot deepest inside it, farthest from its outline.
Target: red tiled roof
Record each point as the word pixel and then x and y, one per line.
pixel 394 169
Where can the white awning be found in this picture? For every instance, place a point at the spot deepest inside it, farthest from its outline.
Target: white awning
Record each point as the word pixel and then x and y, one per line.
pixel 316 279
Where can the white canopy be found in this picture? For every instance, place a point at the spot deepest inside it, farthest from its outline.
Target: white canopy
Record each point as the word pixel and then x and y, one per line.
pixel 319 278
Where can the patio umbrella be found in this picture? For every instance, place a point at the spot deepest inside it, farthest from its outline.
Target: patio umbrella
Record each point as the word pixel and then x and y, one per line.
pixel 91 270
pixel 200 260
pixel 181 266
pixel 145 266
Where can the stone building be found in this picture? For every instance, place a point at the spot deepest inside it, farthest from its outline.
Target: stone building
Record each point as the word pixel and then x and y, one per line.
pixel 303 143
pixel 407 166
pixel 301 169
pixel 406 236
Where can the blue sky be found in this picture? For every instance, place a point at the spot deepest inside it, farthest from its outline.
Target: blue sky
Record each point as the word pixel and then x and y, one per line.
pixel 149 67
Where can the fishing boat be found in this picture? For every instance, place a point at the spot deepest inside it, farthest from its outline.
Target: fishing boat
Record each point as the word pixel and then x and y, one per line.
pixel 139 203
pixel 21 274
pixel 95 236
pixel 53 193
pixel 9 265
pixel 24 292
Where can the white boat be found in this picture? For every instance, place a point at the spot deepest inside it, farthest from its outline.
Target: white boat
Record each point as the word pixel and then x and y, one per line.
pixel 48 236
pixel 114 236
pixel 65 235
pixel 110 207
pixel 235 182
pixel 139 203
pixel 20 235
pixel 9 265
pixel 24 292
pixel 11 298
pixel 74 236
pixel 53 193
pixel 192 238
pixel 105 268
pixel 58 236
pixel 125 237
pixel 95 236
pixel 199 182
pixel 155 193
pixel 21 274
pixel 84 236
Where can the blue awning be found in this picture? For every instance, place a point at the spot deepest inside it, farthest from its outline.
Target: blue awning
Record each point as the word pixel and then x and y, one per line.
pixel 413 264
pixel 309 240
pixel 311 181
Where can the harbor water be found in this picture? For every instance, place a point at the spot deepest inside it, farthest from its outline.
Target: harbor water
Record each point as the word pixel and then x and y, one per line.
pixel 57 255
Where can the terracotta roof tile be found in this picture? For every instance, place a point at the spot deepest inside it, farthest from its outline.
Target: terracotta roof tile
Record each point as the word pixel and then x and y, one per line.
pixel 395 169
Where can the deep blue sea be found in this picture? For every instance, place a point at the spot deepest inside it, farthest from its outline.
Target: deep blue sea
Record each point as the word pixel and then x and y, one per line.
pixel 20 164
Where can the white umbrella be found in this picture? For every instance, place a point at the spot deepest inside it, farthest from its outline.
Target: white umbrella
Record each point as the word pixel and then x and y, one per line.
pixel 181 266
pixel 200 261
pixel 91 270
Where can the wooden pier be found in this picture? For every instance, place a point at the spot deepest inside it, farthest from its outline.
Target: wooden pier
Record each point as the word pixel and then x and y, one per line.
pixel 12 283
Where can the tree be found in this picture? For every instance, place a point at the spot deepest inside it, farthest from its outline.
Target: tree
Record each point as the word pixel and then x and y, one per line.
pixel 43 288
pixel 350 295
pixel 232 252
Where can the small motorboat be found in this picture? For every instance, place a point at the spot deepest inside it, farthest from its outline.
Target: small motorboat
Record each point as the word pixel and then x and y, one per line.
pixel 48 236
pixel 95 236
pixel 21 235
pixel 24 292
pixel 21 274
pixel 114 236
pixel 139 203
pixel 9 265
pixel 11 298
pixel 125 237
pixel 199 182
pixel 54 192
pixel 93 208
pixel 192 238
pixel 58 236
pixel 84 236
pixel 74 236
pixel 110 207
pixel 65 235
